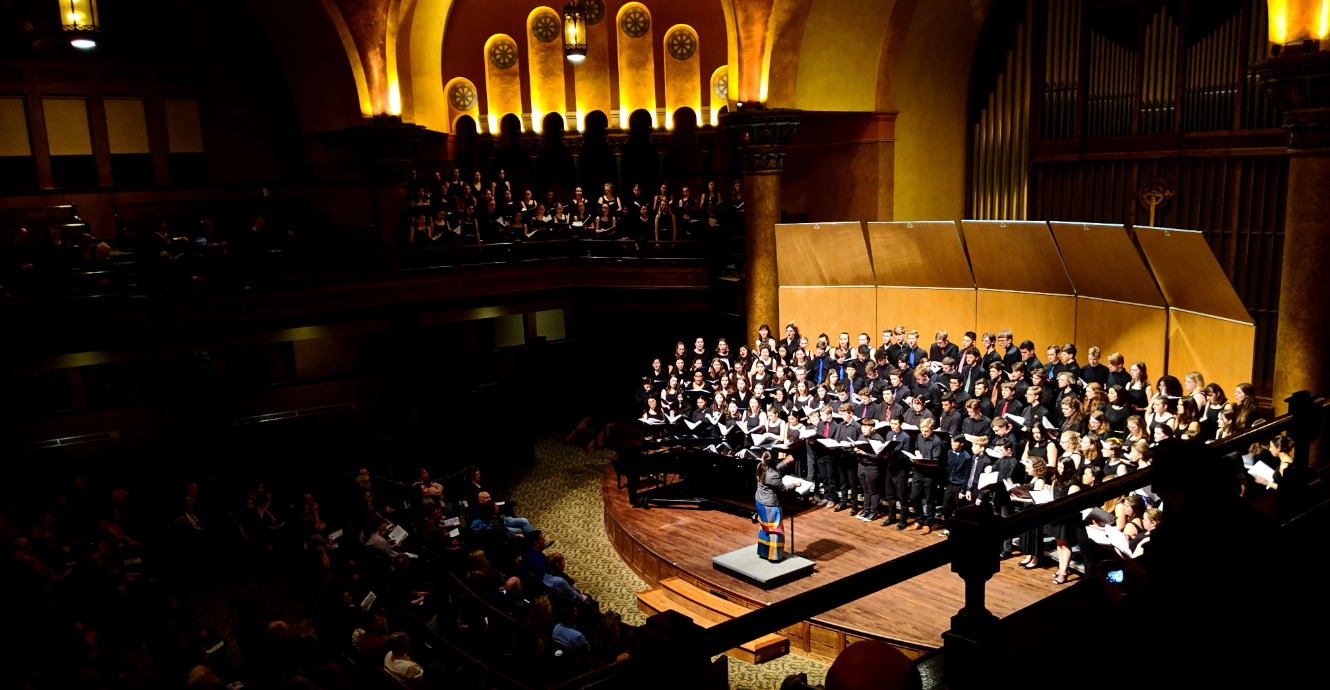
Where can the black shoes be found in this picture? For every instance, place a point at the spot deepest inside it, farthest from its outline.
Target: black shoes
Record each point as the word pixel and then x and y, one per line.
pixel 841 506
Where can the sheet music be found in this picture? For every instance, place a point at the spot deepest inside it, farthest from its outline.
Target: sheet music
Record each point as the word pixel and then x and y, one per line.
pixel 987 479
pixel 398 534
pixel 1262 470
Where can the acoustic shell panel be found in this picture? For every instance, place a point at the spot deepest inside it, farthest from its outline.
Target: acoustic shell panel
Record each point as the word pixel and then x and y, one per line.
pixel 820 254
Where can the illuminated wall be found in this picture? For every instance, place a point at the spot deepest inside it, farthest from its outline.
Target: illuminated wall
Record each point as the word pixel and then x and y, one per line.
pixel 637 63
pixel 462 100
pixel 592 77
pixel 503 84
pixel 544 40
pixel 720 92
pixel 683 73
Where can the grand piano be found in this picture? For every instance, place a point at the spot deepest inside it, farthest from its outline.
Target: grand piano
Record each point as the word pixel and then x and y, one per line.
pixel 702 476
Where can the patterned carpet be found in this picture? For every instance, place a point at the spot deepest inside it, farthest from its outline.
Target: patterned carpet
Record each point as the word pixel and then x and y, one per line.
pixel 561 495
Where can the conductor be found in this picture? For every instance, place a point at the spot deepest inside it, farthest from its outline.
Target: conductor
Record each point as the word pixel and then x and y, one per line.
pixel 770 532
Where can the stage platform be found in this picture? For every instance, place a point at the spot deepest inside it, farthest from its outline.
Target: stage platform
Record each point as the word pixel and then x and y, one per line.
pixel 745 563
pixel 662 542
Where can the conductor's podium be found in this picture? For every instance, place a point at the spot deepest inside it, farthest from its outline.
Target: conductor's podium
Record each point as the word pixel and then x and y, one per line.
pixel 706 610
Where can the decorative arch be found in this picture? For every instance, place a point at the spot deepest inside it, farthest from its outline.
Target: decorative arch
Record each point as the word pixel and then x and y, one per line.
pixel 544 40
pixel 832 55
pixel 637 62
pixel 352 56
pixel 463 101
pixel 422 31
pixel 503 83
pixel 719 92
pixel 683 72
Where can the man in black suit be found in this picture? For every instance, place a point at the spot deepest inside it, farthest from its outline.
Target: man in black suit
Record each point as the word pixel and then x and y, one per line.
pixel 1093 371
pixel 1117 371
pixel 913 354
pixel 868 469
pixel 897 487
pixel 1008 467
pixel 942 348
pixel 1067 362
pixel 1035 412
pixel 975 423
pixel 1028 357
pixel 1010 353
pixel 929 473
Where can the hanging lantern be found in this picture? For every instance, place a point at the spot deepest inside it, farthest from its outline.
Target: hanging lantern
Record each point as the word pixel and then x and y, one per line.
pixel 574 32
pixel 78 18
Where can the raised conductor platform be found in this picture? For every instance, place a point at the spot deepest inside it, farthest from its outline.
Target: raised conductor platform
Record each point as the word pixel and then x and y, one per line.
pixel 746 564
pixel 679 542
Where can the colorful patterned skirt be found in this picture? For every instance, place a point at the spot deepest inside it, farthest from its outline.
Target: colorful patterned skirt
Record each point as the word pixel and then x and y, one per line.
pixel 770 533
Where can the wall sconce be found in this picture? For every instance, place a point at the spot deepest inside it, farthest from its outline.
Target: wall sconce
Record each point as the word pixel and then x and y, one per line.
pixel 1298 22
pixel 78 19
pixel 574 32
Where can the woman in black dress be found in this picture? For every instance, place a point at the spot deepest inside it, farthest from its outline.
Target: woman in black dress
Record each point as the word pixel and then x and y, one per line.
pixel 1139 390
pixel 1064 530
pixel 1117 411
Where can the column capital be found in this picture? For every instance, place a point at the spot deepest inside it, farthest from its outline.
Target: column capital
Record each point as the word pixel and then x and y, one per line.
pixel 662 142
pixel 618 143
pixel 1299 82
pixel 761 137
pixel 574 144
pixel 531 144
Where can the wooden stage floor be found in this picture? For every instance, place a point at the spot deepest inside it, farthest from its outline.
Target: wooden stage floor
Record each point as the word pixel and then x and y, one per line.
pixel 679 542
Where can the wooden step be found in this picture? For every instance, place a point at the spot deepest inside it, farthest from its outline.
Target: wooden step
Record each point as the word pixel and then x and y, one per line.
pixel 707 609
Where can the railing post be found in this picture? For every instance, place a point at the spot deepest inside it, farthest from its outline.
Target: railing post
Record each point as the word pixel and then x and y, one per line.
pixel 972 647
pixel 1306 426
pixel 671 652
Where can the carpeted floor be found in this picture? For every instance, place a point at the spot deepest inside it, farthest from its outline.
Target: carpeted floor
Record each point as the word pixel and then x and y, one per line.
pixel 561 495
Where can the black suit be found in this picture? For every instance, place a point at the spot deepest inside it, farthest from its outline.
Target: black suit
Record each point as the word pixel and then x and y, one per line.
pixel 898 477
pixel 929 473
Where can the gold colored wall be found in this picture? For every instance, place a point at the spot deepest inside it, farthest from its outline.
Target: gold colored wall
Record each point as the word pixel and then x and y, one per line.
pixel 503 87
pixel 592 77
pixel 930 93
pixel 459 92
pixel 637 62
pixel 544 40
pixel 683 72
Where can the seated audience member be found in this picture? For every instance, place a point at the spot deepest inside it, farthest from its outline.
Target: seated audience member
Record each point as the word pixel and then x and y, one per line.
pixel 486 512
pixel 557 580
pixel 569 636
pixel 398 663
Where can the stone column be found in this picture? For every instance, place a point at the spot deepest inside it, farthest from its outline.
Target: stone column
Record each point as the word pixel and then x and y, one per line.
pixel 1300 82
pixel 531 145
pixel 761 137
pixel 387 149
pixel 618 145
pixel 574 144
pixel 706 144
pixel 662 142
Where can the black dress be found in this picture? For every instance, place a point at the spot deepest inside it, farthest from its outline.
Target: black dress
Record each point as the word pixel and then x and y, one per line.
pixel 1064 529
pixel 1117 420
